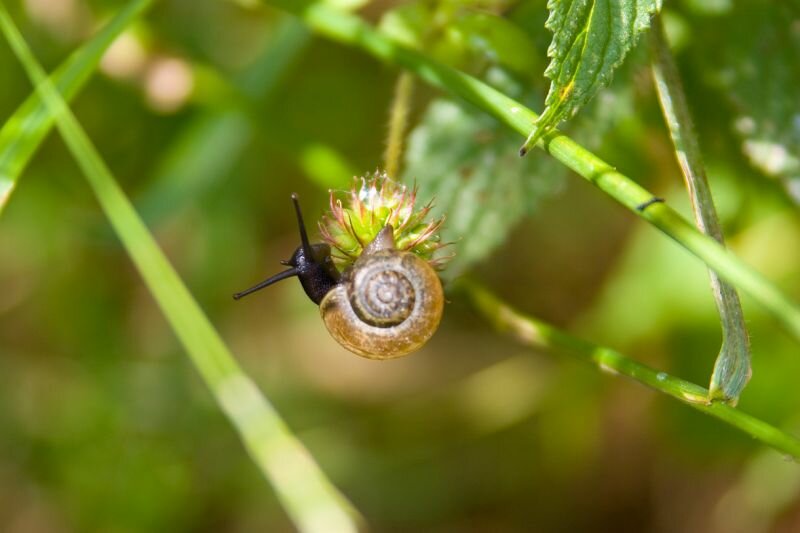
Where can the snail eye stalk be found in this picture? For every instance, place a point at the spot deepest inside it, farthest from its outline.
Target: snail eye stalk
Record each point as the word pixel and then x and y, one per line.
pixel 307 263
pixel 267 282
pixel 303 235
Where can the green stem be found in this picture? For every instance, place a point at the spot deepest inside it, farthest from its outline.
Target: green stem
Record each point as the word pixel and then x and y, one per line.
pixel 352 30
pixel 732 367
pixel 311 500
pixel 398 121
pixel 535 333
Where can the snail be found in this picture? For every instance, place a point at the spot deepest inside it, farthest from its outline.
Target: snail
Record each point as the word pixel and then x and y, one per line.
pixel 387 303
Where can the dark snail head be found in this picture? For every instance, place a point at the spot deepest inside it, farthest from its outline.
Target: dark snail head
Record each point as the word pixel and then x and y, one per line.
pixel 311 263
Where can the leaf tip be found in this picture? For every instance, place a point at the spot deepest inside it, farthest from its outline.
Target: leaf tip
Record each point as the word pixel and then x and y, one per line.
pixel 531 141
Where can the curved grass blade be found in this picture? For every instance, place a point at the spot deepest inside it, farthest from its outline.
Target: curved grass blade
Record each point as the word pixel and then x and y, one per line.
pixel 732 368
pixel 590 40
pixel 22 134
pixel 310 499
pixel 538 334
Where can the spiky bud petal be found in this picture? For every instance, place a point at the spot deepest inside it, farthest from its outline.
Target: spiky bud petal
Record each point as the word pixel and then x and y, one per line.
pixel 372 203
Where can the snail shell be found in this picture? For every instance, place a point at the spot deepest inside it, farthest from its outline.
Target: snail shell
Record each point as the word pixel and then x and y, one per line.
pixel 388 304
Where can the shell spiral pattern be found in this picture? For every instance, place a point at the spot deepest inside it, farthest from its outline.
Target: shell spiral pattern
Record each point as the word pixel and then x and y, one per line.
pixel 388 305
pixel 382 294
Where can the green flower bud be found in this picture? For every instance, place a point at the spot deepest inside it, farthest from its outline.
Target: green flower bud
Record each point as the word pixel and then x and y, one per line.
pixel 373 202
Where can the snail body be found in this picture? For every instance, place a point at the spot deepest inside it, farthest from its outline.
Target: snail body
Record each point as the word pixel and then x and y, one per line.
pixel 386 304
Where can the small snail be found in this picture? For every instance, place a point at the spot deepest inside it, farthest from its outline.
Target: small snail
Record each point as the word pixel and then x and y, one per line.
pixel 387 302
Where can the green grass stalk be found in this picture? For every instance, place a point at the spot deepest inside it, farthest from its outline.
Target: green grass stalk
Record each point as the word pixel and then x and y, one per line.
pixel 732 367
pixel 538 334
pixel 309 498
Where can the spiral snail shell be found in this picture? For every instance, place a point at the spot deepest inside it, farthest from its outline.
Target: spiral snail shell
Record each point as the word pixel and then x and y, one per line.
pixel 387 304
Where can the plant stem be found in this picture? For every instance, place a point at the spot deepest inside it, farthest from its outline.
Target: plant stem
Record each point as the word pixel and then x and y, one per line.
pixel 352 30
pixel 308 496
pixel 732 367
pixel 537 334
pixel 398 121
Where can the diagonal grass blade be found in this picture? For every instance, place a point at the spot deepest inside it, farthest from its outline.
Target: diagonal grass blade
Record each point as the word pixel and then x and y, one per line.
pixel 310 499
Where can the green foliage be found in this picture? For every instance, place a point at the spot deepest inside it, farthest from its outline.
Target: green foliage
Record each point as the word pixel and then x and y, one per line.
pixel 538 334
pixel 206 150
pixel 309 493
pixel 497 40
pixel 761 38
pixel 459 35
pixel 105 427
pixel 479 183
pixel 590 41
pixel 22 133
pixel 732 369
pixel 518 117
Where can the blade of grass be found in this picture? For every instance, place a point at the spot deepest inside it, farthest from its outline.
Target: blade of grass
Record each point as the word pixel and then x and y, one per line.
pixel 352 30
pixel 732 367
pixel 22 134
pixel 538 334
pixel 310 499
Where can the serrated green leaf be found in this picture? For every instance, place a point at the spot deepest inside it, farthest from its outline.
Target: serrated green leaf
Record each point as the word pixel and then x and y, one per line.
pixel 478 183
pixel 759 74
pixel 481 187
pixel 22 134
pixel 590 40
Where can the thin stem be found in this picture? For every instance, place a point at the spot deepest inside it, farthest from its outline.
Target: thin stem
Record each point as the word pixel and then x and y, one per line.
pixel 538 334
pixel 398 122
pixel 309 498
pixel 350 29
pixel 732 367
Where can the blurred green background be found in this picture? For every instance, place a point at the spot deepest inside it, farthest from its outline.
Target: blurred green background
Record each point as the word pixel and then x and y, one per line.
pixel 211 114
